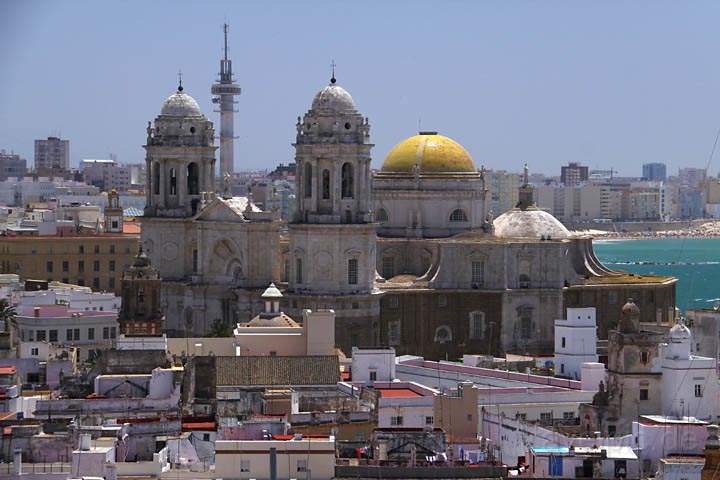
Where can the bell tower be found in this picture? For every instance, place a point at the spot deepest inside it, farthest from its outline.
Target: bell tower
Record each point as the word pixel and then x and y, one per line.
pixel 140 313
pixel 180 158
pixel 331 259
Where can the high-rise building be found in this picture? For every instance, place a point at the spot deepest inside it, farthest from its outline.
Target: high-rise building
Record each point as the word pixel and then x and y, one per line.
pixel 573 174
pixel 52 156
pixel 11 165
pixel 692 177
pixel 655 172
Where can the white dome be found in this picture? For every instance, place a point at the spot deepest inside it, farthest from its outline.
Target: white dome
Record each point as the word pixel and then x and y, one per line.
pixel 680 331
pixel 333 98
pixel 529 223
pixel 180 104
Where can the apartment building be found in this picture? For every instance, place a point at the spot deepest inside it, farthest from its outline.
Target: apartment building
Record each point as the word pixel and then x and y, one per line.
pixel 52 156
pixel 11 165
pixel 93 260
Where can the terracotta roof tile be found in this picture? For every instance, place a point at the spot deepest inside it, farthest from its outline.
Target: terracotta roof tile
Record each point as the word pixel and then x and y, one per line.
pixel 277 371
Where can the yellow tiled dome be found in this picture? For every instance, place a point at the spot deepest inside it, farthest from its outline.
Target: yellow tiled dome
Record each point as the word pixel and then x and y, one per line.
pixel 431 152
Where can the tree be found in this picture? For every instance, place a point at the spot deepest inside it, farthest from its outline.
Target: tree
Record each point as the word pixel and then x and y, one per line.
pixel 220 329
pixel 7 312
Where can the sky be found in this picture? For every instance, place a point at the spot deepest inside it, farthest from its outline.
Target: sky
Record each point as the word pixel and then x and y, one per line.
pixel 608 84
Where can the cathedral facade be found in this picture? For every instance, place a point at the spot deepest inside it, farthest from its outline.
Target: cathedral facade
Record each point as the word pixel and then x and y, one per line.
pixel 409 257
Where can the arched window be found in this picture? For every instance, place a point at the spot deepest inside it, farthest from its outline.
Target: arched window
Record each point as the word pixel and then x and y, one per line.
pixel 382 215
pixel 388 266
pixel 326 184
pixel 348 187
pixel 443 334
pixel 478 273
pixel 156 178
pixel 173 182
pixel 458 215
pixel 476 328
pixel 308 180
pixel 525 322
pixel 193 179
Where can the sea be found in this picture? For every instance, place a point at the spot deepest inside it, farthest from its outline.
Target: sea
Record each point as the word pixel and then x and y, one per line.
pixel 694 261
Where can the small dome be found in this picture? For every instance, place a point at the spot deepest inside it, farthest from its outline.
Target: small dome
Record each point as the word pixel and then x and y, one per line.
pixel 180 104
pixel 431 152
pixel 271 292
pixel 679 331
pixel 630 308
pixel 529 223
pixel 335 99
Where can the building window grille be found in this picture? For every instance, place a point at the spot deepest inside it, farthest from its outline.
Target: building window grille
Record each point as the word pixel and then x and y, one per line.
pixel 458 215
pixel 644 394
pixel 396 421
pixel 478 273
pixel 698 391
pixel 353 271
pixel 477 325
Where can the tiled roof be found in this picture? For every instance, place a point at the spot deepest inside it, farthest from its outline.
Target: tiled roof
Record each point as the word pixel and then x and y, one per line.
pixel 277 371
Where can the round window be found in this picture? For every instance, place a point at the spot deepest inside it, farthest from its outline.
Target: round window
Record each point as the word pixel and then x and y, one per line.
pixel 192 129
pixel 347 126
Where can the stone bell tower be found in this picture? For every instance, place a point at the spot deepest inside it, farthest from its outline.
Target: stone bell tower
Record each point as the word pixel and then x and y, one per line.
pixel 331 259
pixel 180 159
pixel 140 313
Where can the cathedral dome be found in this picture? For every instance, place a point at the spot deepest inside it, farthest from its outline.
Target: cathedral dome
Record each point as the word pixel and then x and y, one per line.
pixel 432 153
pixel 529 223
pixel 180 104
pixel 335 99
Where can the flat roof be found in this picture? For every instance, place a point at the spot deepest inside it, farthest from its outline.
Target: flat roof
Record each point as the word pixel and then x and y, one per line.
pixel 397 393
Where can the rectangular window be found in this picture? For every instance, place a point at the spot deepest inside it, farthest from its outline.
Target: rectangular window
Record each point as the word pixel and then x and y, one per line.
pixel 111 265
pixel 34 352
pixel 245 466
pixel 81 249
pixel 113 332
pixel 478 273
pixel 644 357
pixel 53 335
pixel 91 333
pixel 96 266
pixel 40 335
pixel 194 260
pixel 562 341
pixel 81 266
pixel 429 420
pixel 49 267
pixel 97 248
pixel 396 421
pixel 106 333
pixel 698 391
pixel 81 282
pixel 562 368
pixel 112 248
pixel 373 375
pixel 302 465
pixel 644 394
pixel 96 283
pixel 111 283
pixel 546 418
pixel 352 271
pixel 611 430
pixel 68 335
pixel 568 416
pixel 66 266
pixel 298 270
pixel 76 334
pixel 442 301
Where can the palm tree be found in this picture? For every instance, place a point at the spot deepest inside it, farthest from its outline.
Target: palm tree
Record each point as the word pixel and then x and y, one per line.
pixel 7 312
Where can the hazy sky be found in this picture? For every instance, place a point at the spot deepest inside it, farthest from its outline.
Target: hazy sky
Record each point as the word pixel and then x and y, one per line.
pixel 607 84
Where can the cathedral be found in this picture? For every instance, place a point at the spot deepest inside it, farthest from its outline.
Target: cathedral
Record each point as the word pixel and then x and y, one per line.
pixel 409 256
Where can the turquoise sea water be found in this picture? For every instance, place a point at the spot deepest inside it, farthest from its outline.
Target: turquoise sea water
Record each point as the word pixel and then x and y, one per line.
pixel 694 261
